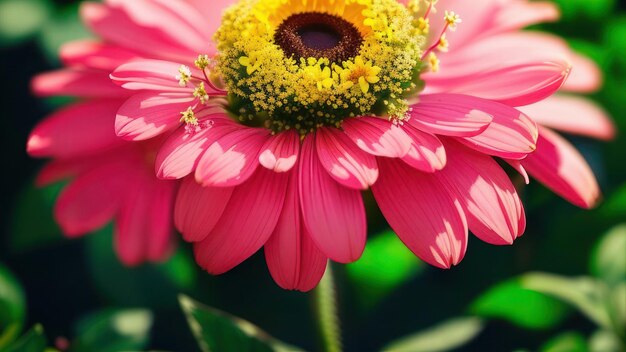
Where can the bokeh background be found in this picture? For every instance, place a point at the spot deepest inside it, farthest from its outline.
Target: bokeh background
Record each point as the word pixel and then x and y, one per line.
pixel 54 291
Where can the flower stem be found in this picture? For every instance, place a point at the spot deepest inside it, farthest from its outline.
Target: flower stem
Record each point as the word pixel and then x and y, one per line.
pixel 325 306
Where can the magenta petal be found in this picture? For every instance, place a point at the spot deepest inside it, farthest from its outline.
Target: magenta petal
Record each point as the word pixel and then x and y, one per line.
pixel 292 258
pixel 77 130
pixel 451 114
pixel 280 152
pixel 96 55
pixel 574 115
pixel 420 209
pixel 494 211
pixel 198 209
pixel 91 200
pixel 344 161
pixel 559 166
pixel 247 223
pixel 153 75
pixel 511 134
pixel 77 82
pixel 146 115
pixel 144 226
pixel 377 136
pixel 333 214
pixel 427 153
pixel 231 159
pixel 180 153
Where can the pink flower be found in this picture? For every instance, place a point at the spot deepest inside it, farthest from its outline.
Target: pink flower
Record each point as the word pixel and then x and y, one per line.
pixel 275 152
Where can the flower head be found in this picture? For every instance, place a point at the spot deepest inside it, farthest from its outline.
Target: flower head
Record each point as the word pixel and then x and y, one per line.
pixel 297 106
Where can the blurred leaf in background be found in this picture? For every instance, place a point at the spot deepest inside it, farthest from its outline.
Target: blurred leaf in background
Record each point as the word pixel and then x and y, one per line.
pixel 12 308
pixel 22 19
pixel 444 337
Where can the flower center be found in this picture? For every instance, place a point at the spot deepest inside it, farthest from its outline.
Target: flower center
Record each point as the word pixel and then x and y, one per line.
pixel 318 35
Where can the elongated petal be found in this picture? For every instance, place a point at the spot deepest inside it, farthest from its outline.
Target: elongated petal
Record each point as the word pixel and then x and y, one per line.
pixel 280 152
pixel 247 223
pixel 148 114
pixel 78 130
pixel 96 55
pixel 180 153
pixel 198 209
pixel 427 153
pixel 292 258
pixel 494 211
pixel 143 228
pixel 153 75
pixel 586 76
pixel 377 136
pixel 162 29
pixel 511 134
pixel 572 114
pixel 515 85
pixel 91 200
pixel 77 82
pixel 425 216
pixel 559 166
pixel 232 159
pixel 344 161
pixel 452 114
pixel 333 214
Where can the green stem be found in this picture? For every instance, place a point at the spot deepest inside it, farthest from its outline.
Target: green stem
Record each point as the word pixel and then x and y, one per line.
pixel 326 310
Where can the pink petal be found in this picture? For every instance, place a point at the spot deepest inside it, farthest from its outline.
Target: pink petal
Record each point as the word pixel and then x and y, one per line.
pixel 574 115
pixel 517 165
pixel 494 211
pixel 91 200
pixel 292 258
pixel 164 29
pixel 422 212
pixel 198 209
pixel 76 82
pixel 519 14
pixel 511 134
pixel 515 85
pixel 344 161
pixel 377 136
pixel 148 114
pixel 333 214
pixel 231 159
pixel 153 75
pixel 180 153
pixel 586 76
pixel 62 169
pixel 78 130
pixel 559 166
pixel 451 114
pixel 144 226
pixel 427 153
pixel 247 223
pixel 280 152
pixel 95 55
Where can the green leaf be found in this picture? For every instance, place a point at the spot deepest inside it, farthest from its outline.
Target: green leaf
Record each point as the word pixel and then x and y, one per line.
pixel 21 19
pixel 587 294
pixel 567 342
pixel 218 331
pixel 152 285
pixel 33 341
pixel 12 307
pixel 618 307
pixel 615 205
pixel 32 224
pixel 605 341
pixel 63 27
pixel 519 305
pixel 386 264
pixel 608 260
pixel 444 337
pixel 113 330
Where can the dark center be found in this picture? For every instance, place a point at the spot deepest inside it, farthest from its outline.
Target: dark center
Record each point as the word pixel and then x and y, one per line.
pixel 318 35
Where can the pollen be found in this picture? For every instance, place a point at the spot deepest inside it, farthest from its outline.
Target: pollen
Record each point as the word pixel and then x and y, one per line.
pixel 201 93
pixel 189 117
pixel 452 20
pixel 184 75
pixel 202 62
